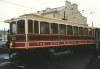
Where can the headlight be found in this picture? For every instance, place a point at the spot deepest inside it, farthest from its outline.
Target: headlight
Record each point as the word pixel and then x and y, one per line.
pixel 12 43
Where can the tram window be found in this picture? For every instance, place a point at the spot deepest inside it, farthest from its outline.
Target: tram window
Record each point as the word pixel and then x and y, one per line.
pixel 44 27
pixel 13 27
pixel 30 26
pixel 69 30
pixel 85 31
pixel 93 32
pixel 62 29
pixel 54 28
pixel 81 31
pixel 75 30
pixel 21 26
pixel 90 31
pixel 36 27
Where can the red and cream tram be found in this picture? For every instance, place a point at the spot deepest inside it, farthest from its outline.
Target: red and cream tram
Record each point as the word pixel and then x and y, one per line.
pixel 33 32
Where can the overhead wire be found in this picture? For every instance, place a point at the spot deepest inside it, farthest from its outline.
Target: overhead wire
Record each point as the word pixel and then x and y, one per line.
pixel 13 3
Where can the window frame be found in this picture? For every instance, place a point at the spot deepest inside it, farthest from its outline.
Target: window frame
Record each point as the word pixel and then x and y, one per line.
pixel 71 33
pixel 56 28
pixel 74 31
pixel 64 28
pixel 30 32
pixel 23 28
pixel 11 27
pixel 34 27
pixel 46 32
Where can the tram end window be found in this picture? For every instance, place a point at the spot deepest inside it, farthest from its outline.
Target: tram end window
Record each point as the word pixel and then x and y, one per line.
pixel 13 28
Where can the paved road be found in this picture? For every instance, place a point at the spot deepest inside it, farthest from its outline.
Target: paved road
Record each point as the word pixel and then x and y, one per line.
pixel 76 61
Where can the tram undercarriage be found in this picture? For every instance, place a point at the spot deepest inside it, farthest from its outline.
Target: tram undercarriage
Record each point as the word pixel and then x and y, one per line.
pixel 26 57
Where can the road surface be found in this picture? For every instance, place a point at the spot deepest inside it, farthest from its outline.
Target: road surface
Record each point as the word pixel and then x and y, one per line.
pixel 76 61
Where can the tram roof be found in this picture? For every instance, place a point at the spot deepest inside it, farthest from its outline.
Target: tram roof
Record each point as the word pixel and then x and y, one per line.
pixel 45 19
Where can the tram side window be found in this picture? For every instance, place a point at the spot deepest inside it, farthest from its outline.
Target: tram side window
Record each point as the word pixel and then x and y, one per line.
pixel 36 27
pixel 93 32
pixel 54 28
pixel 75 31
pixel 13 27
pixel 62 29
pixel 90 31
pixel 81 31
pixel 21 27
pixel 69 30
pixel 85 31
pixel 30 26
pixel 44 27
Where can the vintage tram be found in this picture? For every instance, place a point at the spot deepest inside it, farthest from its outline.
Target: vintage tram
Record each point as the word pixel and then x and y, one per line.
pixel 31 33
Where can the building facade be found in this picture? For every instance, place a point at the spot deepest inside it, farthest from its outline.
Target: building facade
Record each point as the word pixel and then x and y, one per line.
pixel 69 12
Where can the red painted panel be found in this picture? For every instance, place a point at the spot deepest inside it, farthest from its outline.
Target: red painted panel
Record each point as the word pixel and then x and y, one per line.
pixel 61 43
pixel 47 43
pixel 36 44
pixel 54 43
pixel 20 45
pixel 43 44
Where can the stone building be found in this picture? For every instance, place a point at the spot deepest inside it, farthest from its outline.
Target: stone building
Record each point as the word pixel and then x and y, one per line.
pixel 69 12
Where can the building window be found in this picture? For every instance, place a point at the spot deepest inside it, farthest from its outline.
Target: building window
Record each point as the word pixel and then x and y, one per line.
pixel 54 28
pixel 62 29
pixel 72 8
pixel 30 26
pixel 21 27
pixel 44 27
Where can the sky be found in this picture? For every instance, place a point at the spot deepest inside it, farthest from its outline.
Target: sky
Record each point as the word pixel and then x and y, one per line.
pixel 14 8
